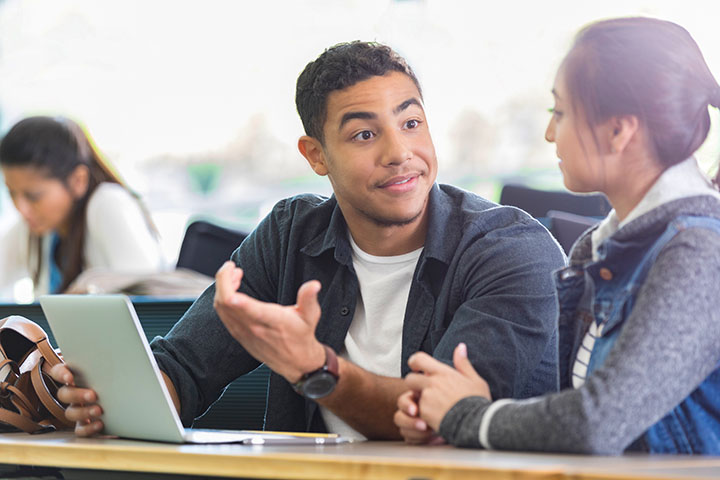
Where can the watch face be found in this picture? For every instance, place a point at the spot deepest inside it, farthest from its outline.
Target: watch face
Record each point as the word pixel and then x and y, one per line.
pixel 319 385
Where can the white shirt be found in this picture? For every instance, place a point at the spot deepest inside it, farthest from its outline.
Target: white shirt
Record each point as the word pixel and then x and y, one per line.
pixel 117 238
pixel 374 339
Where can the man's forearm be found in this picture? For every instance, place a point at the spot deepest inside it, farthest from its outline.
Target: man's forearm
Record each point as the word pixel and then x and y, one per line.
pixel 365 401
pixel 171 389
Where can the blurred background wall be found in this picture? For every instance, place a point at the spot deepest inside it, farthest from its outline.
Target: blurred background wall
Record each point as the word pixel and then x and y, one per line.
pixel 193 101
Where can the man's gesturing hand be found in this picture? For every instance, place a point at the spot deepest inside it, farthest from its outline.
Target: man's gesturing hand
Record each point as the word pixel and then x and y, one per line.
pixel 283 337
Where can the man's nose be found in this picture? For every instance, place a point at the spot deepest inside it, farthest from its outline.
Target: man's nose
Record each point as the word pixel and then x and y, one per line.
pixel 397 148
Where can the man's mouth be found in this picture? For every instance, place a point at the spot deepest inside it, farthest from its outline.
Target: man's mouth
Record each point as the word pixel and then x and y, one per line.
pixel 401 180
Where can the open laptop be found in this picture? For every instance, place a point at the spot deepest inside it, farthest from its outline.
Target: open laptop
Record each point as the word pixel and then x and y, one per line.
pixel 103 343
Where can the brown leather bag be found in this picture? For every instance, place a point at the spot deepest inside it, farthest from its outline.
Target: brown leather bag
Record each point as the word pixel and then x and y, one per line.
pixel 28 395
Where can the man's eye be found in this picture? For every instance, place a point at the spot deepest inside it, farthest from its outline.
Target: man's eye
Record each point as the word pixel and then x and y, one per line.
pixel 412 124
pixel 364 135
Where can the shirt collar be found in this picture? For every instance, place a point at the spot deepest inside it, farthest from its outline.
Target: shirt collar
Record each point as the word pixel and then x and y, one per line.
pixel 333 237
pixel 439 243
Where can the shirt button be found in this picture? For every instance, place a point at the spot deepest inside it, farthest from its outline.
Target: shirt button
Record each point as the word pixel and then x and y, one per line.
pixel 344 311
pixel 606 274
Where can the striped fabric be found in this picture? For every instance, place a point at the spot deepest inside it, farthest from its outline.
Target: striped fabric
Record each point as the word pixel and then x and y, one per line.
pixel 583 356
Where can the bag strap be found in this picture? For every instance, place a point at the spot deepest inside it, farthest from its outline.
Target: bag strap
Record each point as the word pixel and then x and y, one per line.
pixel 23 423
pixel 27 328
pixel 56 409
pixel 31 387
pixel 18 399
pixel 48 353
pixel 13 366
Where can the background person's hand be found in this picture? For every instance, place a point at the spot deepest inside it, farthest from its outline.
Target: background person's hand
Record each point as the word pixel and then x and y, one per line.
pixel 439 387
pixel 82 402
pixel 282 337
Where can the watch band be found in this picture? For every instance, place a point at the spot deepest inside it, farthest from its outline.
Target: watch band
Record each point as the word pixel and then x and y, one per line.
pixel 331 362
pixel 321 382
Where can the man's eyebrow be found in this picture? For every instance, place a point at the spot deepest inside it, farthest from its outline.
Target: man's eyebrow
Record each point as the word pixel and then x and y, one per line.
pixel 371 116
pixel 352 115
pixel 406 104
pixel 554 92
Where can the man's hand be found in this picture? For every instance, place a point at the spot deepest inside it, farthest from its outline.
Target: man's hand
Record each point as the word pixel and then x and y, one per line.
pixel 83 408
pixel 282 337
pixel 437 389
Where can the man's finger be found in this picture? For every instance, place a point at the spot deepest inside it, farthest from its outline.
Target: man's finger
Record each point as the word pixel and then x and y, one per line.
pixel 62 374
pixel 307 302
pixel 74 395
pixel 83 414
pixel 227 282
pixel 88 429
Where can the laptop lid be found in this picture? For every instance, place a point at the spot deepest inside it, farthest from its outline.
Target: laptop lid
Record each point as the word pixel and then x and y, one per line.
pixel 103 343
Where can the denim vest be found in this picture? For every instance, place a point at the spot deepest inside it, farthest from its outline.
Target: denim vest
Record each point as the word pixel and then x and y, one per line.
pixel 605 292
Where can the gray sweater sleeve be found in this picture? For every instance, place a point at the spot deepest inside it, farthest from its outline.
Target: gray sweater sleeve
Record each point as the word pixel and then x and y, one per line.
pixel 669 345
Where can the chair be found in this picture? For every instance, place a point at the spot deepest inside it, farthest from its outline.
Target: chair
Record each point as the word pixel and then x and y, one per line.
pixel 539 202
pixel 567 227
pixel 206 246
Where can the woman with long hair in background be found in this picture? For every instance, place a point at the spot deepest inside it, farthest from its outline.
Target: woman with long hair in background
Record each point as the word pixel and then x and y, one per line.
pixel 76 213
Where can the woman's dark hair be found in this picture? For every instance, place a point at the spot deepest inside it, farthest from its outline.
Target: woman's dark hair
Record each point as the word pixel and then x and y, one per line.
pixel 55 147
pixel 339 67
pixel 648 68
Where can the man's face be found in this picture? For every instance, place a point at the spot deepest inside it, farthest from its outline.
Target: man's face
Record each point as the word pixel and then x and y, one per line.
pixel 378 153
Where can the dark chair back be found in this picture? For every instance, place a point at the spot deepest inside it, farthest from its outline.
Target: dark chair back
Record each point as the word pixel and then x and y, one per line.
pixel 206 246
pixel 567 227
pixel 539 202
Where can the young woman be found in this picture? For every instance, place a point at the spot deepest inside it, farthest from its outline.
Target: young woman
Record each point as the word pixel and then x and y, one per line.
pixel 639 324
pixel 76 213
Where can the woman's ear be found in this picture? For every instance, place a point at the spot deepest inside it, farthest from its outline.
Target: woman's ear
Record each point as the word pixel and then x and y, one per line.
pixel 313 151
pixel 622 130
pixel 78 181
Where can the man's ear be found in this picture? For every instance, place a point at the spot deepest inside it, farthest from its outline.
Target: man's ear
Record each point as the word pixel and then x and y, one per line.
pixel 313 151
pixel 78 181
pixel 622 130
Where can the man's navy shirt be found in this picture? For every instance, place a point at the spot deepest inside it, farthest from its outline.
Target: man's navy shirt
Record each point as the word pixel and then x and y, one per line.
pixel 484 278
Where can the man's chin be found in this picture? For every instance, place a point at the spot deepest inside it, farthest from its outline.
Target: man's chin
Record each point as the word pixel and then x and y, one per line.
pixel 394 221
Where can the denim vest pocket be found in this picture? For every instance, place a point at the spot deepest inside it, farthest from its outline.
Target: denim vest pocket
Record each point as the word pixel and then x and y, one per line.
pixel 693 426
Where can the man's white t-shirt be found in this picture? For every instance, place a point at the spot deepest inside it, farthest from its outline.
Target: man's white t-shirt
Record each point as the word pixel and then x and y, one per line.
pixel 374 340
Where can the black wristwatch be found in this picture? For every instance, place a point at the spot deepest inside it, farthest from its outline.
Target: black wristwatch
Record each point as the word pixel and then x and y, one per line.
pixel 321 382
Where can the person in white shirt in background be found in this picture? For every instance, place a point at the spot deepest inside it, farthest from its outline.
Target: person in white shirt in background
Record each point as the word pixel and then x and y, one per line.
pixel 75 212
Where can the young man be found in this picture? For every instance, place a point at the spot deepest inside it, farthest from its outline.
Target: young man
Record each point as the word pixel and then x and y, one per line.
pixel 391 264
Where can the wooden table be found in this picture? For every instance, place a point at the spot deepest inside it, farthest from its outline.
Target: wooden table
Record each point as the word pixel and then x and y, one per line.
pixel 366 460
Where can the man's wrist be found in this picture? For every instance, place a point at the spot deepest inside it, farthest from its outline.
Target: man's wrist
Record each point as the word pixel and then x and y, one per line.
pixel 320 382
pixel 312 362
